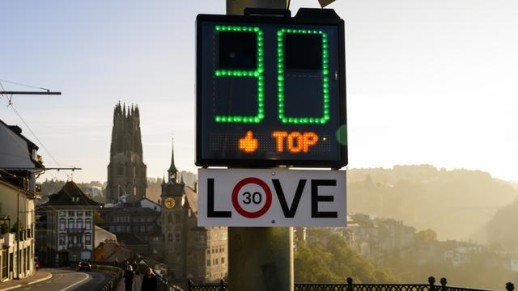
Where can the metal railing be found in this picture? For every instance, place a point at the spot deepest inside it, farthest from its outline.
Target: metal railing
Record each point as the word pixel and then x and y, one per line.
pixel 350 286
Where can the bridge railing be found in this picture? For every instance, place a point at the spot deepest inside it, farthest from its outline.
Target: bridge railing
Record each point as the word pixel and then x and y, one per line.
pixel 350 286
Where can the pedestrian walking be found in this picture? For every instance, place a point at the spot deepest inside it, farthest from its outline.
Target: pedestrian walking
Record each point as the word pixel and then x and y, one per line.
pixel 129 275
pixel 149 280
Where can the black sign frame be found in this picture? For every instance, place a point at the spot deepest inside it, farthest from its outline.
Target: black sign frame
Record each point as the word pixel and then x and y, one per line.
pixel 310 19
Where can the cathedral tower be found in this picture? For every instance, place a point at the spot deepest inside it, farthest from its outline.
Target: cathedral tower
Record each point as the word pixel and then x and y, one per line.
pixel 126 171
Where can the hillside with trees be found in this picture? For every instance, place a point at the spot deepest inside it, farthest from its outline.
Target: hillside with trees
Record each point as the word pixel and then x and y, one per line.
pixel 328 255
pixel 457 204
pixel 325 257
pixel 501 230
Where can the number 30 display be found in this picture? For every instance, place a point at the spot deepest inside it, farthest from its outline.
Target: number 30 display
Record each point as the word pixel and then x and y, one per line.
pixel 271 90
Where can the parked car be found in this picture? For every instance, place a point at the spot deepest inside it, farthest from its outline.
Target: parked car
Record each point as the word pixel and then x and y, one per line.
pixel 84 266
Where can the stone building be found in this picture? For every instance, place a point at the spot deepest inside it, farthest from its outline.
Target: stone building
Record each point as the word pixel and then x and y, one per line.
pixel 19 166
pixel 190 252
pixel 126 171
pixel 69 234
pixel 135 225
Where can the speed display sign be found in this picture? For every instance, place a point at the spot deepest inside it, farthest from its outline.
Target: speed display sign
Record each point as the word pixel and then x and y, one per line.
pixel 271 197
pixel 271 90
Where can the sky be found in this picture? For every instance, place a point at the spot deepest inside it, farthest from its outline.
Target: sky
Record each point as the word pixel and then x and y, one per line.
pixel 428 81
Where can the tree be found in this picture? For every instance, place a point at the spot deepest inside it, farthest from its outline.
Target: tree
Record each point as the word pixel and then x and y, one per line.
pixel 4 227
pixel 328 259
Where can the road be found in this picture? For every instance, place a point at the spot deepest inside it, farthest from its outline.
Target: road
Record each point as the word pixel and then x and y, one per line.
pixel 67 279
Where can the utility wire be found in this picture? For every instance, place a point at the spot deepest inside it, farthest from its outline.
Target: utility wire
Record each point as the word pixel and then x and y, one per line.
pixel 10 104
pixel 32 132
pixel 21 84
pixel 9 98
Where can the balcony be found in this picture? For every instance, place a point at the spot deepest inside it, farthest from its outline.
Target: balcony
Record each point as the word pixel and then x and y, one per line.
pixel 76 230
pixel 75 246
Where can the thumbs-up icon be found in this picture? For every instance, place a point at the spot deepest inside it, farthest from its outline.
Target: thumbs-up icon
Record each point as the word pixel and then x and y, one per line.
pixel 248 143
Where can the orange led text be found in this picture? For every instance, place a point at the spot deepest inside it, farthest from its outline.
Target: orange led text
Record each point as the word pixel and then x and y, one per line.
pixel 295 141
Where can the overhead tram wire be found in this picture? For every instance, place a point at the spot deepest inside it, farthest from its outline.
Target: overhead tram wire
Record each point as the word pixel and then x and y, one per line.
pixel 3 92
pixel 44 91
pixel 10 104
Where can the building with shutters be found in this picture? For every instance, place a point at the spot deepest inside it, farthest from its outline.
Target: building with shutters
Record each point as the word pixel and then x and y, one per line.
pixel 69 231
pixel 20 164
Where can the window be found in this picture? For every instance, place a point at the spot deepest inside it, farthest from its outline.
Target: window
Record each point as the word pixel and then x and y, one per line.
pixel 88 239
pixel 62 224
pixel 70 223
pixel 4 264
pixel 169 237
pixel 61 239
pixel 88 213
pixel 88 224
pixel 79 223
pixel 177 237
pixel 80 213
pixel 71 213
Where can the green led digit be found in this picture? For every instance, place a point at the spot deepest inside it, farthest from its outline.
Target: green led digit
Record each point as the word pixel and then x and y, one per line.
pixel 257 72
pixel 281 75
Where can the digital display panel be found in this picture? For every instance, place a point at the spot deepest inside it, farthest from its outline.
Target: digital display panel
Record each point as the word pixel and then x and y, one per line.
pixel 270 91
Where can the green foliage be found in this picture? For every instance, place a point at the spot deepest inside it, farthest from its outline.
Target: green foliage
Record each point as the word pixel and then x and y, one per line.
pixel 477 268
pixel 51 187
pixel 328 259
pixel 4 228
pixel 17 226
pixel 427 235
pixel 98 219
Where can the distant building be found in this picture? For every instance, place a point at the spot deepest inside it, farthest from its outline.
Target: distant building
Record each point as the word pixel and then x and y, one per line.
pixel 135 225
pixel 19 165
pixel 190 252
pixel 126 171
pixel 69 227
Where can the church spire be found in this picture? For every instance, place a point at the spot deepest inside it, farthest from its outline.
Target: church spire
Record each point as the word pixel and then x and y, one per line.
pixel 173 171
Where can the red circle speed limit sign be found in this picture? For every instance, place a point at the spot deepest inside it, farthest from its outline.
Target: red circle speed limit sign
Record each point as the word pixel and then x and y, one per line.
pixel 251 197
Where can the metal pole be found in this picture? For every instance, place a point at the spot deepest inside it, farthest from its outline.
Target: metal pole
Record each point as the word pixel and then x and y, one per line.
pixel 29 93
pixel 18 261
pixel 259 258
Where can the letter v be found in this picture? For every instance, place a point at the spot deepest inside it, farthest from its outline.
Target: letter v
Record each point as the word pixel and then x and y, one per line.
pixel 289 212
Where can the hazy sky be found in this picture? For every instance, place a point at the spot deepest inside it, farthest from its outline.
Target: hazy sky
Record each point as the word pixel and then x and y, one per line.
pixel 428 81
